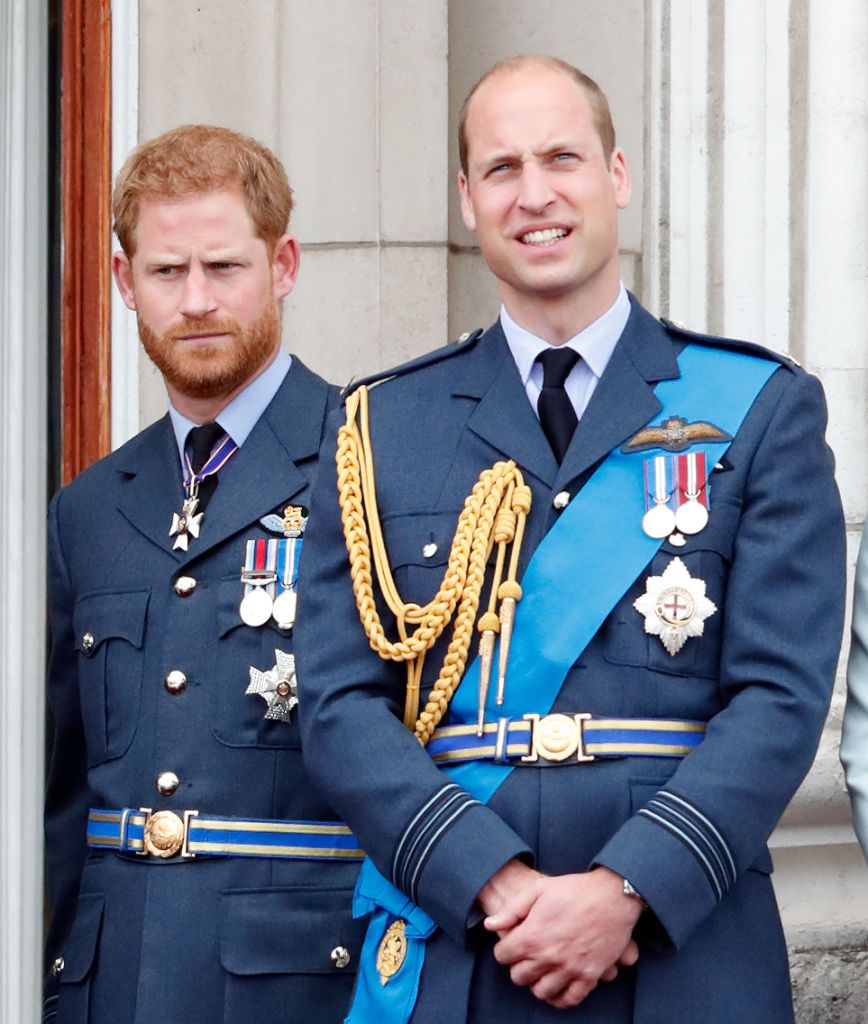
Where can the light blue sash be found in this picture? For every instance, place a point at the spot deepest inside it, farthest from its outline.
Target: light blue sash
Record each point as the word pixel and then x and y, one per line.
pixel 599 537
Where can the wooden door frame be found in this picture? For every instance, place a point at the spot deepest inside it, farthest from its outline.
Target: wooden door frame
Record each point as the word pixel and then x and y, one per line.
pixel 86 127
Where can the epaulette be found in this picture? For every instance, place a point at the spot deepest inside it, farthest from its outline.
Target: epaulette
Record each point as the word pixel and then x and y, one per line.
pixel 749 347
pixel 428 359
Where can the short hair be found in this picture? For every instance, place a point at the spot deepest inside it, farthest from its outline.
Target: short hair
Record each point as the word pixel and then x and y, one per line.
pixel 197 158
pixel 593 93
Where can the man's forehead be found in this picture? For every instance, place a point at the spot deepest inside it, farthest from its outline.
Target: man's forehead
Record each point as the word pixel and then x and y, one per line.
pixel 215 213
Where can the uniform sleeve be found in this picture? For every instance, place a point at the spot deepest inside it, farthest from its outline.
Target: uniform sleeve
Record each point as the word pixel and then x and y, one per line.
pixel 414 824
pixel 854 739
pixel 67 797
pixel 782 625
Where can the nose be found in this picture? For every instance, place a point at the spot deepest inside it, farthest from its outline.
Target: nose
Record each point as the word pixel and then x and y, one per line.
pixel 534 190
pixel 197 300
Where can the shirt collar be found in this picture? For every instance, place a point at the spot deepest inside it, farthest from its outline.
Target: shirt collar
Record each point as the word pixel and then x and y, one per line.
pixel 594 344
pixel 241 414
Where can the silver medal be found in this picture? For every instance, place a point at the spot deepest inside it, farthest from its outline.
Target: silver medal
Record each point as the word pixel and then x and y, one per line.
pixel 256 607
pixel 283 611
pixel 658 522
pixel 691 517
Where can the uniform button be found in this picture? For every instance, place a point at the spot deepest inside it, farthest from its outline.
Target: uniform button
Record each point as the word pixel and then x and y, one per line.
pixel 340 957
pixel 430 550
pixel 464 336
pixel 167 783
pixel 561 500
pixel 87 642
pixel 184 586
pixel 176 681
pixel 57 967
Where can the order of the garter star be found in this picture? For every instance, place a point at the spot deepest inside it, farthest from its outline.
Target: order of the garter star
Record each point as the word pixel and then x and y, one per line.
pixel 675 606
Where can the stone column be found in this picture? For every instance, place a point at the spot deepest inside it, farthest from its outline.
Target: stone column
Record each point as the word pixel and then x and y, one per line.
pixel 23 388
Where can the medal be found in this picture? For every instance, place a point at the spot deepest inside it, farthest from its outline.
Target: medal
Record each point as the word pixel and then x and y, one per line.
pixel 675 606
pixel 186 523
pixel 692 514
pixel 659 519
pixel 258 574
pixel 283 612
pixel 277 687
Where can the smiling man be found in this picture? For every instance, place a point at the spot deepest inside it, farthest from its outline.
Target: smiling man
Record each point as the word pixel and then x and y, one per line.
pixel 194 872
pixel 639 528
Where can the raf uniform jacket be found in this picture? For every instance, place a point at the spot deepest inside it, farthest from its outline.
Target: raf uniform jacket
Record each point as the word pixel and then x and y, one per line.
pixel 711 945
pixel 206 940
pixel 854 740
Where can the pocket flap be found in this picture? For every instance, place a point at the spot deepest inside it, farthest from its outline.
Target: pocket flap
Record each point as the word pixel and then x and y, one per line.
pixel 423 538
pixel 288 931
pixel 80 948
pixel 103 616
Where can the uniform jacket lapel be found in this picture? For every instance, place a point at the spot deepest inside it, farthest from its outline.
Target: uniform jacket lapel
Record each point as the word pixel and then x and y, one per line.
pixel 624 400
pixel 263 474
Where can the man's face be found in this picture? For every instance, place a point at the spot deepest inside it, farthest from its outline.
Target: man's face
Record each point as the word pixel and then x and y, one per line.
pixel 539 191
pixel 206 291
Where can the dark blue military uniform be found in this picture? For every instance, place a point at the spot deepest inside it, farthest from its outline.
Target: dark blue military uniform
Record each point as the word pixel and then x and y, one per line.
pixel 771 556
pixel 208 939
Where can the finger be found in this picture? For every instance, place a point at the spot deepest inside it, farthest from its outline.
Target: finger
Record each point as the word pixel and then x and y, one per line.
pixel 630 954
pixel 572 995
pixel 609 974
pixel 526 972
pixel 512 912
pixel 551 985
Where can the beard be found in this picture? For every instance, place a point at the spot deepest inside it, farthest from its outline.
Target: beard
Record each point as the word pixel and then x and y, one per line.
pixel 210 370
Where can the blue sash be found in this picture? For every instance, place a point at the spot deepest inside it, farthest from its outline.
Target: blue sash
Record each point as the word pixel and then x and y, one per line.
pixel 605 554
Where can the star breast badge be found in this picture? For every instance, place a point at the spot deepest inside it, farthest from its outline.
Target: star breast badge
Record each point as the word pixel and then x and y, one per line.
pixel 277 687
pixel 675 606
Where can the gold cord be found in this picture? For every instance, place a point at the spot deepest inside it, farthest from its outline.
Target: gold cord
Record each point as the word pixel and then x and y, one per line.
pixel 494 512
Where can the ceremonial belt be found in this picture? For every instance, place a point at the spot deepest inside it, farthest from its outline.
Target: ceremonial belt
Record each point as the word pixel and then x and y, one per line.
pixel 564 738
pixel 188 834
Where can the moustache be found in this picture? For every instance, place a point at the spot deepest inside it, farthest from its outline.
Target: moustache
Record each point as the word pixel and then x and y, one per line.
pixel 204 328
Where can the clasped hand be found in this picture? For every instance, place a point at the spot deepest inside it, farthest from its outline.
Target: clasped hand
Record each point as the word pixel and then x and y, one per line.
pixel 560 934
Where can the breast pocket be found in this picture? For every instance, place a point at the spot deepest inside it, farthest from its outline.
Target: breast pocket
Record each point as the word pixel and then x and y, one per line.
pixel 239 718
pixel 707 557
pixel 109 633
pixel 418 546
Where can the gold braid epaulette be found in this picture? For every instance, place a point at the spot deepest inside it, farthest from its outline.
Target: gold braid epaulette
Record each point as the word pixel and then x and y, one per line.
pixel 494 512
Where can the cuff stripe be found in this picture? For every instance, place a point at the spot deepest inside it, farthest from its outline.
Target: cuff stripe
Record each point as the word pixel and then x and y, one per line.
pixel 688 843
pixel 709 825
pixel 698 836
pixel 426 853
pixel 408 831
pixel 419 837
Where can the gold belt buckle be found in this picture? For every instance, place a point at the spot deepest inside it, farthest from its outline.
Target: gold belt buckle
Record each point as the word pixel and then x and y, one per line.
pixel 556 738
pixel 166 833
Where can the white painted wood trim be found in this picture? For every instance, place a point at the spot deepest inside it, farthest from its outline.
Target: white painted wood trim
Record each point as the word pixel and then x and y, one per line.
pixel 23 445
pixel 125 136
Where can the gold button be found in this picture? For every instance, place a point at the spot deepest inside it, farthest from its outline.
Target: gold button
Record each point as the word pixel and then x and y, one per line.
pixel 87 642
pixel 340 957
pixel 57 967
pixel 561 500
pixel 184 586
pixel 167 783
pixel 176 681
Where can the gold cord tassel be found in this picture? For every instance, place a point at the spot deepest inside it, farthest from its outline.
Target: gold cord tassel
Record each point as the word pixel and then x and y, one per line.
pixel 494 513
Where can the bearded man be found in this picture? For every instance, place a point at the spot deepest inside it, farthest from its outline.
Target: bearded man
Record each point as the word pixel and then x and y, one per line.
pixel 193 870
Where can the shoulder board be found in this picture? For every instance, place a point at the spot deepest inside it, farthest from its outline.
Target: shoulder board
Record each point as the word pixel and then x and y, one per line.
pixel 748 347
pixel 466 340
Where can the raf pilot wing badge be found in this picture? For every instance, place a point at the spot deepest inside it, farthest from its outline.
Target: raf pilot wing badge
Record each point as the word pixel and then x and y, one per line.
pixel 674 435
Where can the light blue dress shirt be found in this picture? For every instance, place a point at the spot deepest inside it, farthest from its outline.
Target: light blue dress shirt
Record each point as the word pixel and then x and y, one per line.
pixel 594 344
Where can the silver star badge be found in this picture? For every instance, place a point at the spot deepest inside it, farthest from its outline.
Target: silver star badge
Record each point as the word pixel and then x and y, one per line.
pixel 186 524
pixel 675 606
pixel 277 687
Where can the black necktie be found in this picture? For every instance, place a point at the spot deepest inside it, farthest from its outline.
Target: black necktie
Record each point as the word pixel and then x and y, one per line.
pixel 201 442
pixel 556 413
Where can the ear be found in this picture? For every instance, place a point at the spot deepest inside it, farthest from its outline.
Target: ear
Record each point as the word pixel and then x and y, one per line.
pixel 620 179
pixel 284 265
pixel 123 274
pixel 467 213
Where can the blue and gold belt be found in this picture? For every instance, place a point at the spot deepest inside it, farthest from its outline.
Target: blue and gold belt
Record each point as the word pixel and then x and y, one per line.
pixel 188 834
pixel 563 738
